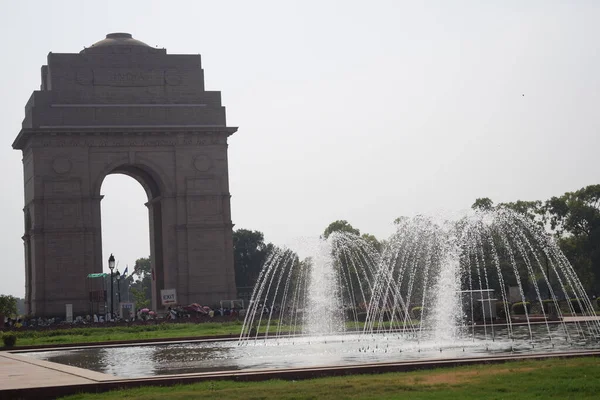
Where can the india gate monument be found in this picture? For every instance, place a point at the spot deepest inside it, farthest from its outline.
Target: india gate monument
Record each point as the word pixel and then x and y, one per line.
pixel 122 107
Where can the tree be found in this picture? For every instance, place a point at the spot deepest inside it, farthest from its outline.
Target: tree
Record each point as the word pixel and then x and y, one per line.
pixel 531 209
pixel 372 240
pixel 140 282
pixel 577 212
pixel 483 204
pixel 249 255
pixel 575 219
pixel 140 298
pixel 400 220
pixel 8 305
pixel 21 309
pixel 340 226
pixel 143 267
pixel 353 263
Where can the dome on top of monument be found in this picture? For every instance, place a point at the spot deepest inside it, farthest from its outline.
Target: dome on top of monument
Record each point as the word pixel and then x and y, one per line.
pixel 119 39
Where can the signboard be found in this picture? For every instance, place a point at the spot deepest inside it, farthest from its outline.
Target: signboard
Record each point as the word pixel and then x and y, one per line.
pixel 168 297
pixel 69 312
pixel 100 275
pixel 514 294
pixel 127 310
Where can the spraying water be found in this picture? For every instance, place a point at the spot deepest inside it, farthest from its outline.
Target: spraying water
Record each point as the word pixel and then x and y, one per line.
pixel 434 281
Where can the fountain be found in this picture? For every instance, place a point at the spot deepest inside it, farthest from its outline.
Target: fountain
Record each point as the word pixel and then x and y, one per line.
pixel 447 266
pixel 439 288
pixel 312 296
pixel 433 286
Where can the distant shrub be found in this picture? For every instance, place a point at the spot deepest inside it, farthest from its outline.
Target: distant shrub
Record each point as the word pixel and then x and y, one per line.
pixel 548 305
pixel 519 308
pixel 501 310
pixel 598 302
pixel 351 313
pixel 361 316
pixel 9 339
pixel 417 312
pixel 576 304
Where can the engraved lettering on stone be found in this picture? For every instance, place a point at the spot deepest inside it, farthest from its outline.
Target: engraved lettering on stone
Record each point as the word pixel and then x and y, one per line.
pixel 202 186
pixel 159 142
pixel 61 188
pixel 128 77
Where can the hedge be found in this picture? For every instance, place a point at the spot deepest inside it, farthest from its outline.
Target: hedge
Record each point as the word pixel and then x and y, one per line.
pixel 519 308
pixel 417 312
pixel 500 310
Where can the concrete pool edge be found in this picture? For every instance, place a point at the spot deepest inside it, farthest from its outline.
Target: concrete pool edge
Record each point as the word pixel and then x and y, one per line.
pixel 97 383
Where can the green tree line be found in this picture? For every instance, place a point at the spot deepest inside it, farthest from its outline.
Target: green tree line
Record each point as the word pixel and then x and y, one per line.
pixel 574 219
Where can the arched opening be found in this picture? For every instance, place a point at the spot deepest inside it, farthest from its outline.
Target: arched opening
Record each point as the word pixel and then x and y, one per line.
pixel 130 231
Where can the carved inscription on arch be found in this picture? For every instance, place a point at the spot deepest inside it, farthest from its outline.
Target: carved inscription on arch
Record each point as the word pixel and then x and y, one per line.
pixel 128 77
pixel 60 188
pixel 131 140
pixel 202 186
pixel 105 142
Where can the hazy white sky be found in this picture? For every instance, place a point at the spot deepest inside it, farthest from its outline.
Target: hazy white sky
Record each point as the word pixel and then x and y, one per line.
pixel 352 110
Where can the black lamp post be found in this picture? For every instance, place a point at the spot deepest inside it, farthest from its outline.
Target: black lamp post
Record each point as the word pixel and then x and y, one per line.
pixel 118 291
pixel 111 266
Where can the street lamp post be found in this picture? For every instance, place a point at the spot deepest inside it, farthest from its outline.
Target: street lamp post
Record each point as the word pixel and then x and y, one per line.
pixel 111 266
pixel 118 292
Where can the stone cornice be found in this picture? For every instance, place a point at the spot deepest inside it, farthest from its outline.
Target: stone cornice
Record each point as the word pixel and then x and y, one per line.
pixel 204 226
pixel 157 135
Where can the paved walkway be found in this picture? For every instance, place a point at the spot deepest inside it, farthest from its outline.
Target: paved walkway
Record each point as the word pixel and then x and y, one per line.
pixel 20 372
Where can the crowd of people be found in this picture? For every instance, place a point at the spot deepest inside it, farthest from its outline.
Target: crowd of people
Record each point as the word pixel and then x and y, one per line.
pixel 145 314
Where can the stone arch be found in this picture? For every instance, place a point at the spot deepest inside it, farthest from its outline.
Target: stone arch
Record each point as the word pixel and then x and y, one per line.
pixel 132 109
pixel 152 182
pixel 154 187
pixel 149 174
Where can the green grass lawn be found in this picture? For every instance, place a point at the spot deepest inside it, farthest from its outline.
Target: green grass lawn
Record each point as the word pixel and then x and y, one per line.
pixel 140 332
pixel 133 332
pixel 577 378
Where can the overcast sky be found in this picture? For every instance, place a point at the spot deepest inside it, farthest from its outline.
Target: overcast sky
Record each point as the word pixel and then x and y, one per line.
pixel 354 110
